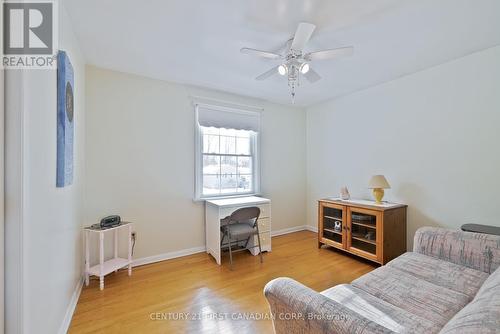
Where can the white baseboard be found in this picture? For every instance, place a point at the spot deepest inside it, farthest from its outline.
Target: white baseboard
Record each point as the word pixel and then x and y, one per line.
pixel 288 230
pixel 295 229
pixel 71 307
pixel 190 251
pixel 158 258
pixel 167 256
pixel 139 262
pixel 311 228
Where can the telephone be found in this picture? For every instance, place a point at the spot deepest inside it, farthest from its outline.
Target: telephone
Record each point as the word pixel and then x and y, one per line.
pixel 110 221
pixel 338 226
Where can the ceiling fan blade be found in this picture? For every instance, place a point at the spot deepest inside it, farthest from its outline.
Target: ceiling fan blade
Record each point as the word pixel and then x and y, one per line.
pixel 328 54
pixel 302 35
pixel 312 76
pixel 267 74
pixel 260 53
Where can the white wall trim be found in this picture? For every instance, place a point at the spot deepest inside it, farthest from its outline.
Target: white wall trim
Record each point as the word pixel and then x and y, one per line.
pixel 15 201
pixel 24 317
pixel 195 250
pixel 288 230
pixel 295 229
pixel 168 256
pixel 153 259
pixel 311 228
pixel 2 193
pixel 71 307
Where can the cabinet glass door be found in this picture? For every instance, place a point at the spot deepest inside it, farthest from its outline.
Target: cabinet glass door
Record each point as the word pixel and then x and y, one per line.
pixel 363 232
pixel 333 224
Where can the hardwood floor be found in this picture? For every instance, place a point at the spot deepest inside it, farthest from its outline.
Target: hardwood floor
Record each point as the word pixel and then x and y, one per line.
pixel 213 295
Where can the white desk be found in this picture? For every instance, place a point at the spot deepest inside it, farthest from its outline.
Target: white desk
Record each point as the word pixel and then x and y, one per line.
pixel 217 209
pixel 105 267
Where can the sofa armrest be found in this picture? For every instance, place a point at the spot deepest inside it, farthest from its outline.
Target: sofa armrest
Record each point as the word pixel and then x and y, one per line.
pixel 298 309
pixel 474 250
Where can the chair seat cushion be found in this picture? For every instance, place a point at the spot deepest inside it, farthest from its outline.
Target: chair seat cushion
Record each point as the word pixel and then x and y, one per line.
pixel 381 312
pixel 415 295
pixel 443 273
pixel 239 229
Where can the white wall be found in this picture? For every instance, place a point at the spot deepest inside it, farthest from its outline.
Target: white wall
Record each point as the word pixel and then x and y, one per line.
pixel 140 159
pixel 434 134
pixel 43 222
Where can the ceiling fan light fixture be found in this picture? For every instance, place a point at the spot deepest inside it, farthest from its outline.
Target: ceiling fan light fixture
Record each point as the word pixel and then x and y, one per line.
pixel 282 69
pixel 304 68
pixel 296 64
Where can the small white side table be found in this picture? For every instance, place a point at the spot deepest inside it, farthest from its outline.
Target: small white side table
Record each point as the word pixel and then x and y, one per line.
pixel 105 267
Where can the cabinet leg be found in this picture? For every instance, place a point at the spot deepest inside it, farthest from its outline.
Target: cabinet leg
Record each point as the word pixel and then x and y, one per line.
pixel 319 244
pixel 101 260
pixel 87 258
pixel 130 249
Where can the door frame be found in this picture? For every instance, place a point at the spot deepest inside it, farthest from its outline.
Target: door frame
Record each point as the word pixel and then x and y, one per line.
pixel 14 202
pixel 2 194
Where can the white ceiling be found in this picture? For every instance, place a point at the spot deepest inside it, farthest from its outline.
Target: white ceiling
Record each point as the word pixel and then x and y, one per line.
pixel 198 41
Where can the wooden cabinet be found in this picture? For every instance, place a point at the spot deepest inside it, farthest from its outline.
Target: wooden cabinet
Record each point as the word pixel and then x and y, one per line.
pixel 374 232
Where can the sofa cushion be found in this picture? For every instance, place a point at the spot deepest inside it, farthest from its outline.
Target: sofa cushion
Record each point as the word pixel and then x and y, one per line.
pixel 417 296
pixel 482 315
pixel 474 250
pixel 443 273
pixel 376 310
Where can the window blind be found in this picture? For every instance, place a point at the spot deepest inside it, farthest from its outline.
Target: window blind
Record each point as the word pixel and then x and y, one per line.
pixel 228 118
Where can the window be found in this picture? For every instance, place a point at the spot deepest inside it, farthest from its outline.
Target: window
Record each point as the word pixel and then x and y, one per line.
pixel 227 152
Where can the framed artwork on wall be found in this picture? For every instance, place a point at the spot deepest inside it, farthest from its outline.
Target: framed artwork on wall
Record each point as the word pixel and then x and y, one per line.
pixel 65 120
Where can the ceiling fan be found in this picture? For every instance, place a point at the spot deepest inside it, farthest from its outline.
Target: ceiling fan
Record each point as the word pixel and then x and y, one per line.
pixel 295 62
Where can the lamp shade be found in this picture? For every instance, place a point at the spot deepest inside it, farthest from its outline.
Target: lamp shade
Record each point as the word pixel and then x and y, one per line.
pixel 378 182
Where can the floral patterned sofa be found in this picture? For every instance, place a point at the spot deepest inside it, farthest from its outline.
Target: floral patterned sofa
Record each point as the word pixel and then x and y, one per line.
pixel 450 283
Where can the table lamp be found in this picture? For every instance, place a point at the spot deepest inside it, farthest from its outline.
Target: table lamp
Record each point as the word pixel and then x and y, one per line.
pixel 378 183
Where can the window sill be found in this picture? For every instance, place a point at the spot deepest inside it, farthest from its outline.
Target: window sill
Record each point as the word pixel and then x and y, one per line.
pixel 203 199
